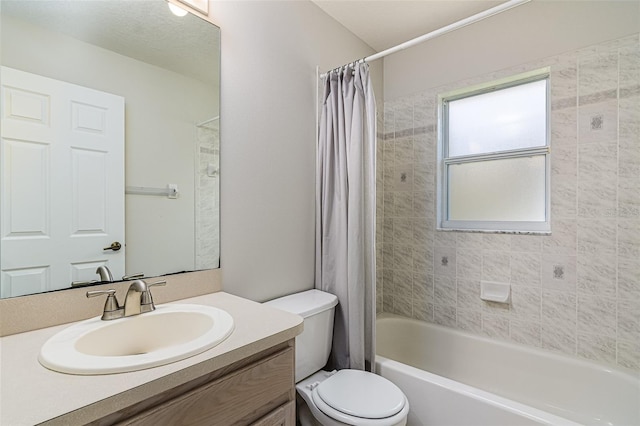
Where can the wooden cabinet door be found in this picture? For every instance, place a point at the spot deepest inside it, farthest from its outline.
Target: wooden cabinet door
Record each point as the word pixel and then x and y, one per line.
pixel 241 397
pixel 284 415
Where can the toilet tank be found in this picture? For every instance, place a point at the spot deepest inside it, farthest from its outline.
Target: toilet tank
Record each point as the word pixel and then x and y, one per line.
pixel 313 345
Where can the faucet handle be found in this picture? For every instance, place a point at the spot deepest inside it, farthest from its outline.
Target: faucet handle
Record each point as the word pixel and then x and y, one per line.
pixel 135 276
pixel 112 308
pixel 146 301
pixel 94 293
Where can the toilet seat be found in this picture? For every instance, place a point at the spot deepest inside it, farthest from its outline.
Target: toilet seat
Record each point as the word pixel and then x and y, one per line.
pixel 359 398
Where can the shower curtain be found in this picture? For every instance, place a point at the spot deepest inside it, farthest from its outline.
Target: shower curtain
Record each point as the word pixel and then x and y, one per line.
pixel 345 213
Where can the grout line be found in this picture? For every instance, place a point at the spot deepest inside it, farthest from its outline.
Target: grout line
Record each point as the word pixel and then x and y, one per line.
pixel 576 202
pixel 617 208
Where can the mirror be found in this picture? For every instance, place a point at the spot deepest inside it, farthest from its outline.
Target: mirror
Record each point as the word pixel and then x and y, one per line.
pixel 165 71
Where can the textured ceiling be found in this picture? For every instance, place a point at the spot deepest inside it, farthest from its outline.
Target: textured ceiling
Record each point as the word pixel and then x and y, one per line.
pixel 386 23
pixel 146 30
pixel 143 29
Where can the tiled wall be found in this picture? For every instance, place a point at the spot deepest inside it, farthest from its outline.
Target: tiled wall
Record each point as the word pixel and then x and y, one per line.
pixel 208 196
pixel 576 291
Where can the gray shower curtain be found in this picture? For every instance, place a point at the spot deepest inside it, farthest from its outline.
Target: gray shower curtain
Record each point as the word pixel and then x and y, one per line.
pixel 345 212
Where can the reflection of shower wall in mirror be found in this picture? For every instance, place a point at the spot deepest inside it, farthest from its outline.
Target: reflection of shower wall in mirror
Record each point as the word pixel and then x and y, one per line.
pixel 207 188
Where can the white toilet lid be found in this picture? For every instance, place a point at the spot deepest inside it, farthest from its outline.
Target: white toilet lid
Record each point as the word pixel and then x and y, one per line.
pixel 361 394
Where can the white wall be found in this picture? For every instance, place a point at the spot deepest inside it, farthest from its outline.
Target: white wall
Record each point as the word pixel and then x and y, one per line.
pixel 533 31
pixel 270 50
pixel 161 107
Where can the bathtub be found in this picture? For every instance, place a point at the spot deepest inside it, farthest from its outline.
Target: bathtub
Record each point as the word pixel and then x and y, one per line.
pixel 456 378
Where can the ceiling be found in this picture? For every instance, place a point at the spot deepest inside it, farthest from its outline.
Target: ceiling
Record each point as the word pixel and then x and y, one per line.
pixel 180 44
pixel 379 23
pixel 385 23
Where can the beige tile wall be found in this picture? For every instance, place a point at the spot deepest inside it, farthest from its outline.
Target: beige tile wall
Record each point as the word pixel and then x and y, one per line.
pixel 576 291
pixel 208 197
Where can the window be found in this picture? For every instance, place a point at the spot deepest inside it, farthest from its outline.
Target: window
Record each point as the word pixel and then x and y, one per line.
pixel 494 156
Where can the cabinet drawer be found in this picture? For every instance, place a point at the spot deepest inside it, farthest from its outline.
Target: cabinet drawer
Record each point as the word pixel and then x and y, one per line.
pixel 284 415
pixel 241 397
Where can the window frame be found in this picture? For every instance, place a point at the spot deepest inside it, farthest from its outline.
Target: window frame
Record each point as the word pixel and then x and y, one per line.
pixel 444 161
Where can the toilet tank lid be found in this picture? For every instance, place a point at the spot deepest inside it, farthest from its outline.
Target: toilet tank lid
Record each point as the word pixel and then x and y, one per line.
pixel 306 303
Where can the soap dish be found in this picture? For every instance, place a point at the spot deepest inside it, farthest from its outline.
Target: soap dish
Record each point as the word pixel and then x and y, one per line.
pixel 492 291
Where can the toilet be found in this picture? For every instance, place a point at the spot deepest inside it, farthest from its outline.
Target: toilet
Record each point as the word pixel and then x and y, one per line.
pixel 332 398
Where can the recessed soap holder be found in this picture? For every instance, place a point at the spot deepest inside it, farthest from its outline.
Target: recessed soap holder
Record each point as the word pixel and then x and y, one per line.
pixel 493 291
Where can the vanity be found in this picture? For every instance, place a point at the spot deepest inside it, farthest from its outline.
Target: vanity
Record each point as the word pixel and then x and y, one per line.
pixel 158 75
pixel 246 379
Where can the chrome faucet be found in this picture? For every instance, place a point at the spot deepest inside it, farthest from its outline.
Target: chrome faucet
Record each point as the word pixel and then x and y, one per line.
pixel 105 274
pixel 112 309
pixel 137 301
pixel 133 300
pixel 102 271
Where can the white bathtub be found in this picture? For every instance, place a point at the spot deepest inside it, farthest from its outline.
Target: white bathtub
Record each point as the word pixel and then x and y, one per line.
pixel 456 378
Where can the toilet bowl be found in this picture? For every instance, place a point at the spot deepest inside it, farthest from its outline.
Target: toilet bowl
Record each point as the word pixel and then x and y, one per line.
pixel 353 397
pixel 345 397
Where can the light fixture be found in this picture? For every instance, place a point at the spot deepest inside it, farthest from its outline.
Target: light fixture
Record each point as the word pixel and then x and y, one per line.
pixel 176 10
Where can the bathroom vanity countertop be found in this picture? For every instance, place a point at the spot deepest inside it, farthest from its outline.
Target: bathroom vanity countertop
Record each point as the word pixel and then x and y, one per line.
pixel 30 393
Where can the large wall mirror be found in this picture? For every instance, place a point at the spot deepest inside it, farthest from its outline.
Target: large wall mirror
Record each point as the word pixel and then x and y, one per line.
pixel 110 142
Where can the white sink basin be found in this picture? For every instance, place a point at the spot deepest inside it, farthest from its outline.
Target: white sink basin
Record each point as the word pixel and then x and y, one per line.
pixel 170 333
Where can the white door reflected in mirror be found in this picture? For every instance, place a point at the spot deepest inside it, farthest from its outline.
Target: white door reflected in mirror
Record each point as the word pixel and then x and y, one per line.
pixel 57 221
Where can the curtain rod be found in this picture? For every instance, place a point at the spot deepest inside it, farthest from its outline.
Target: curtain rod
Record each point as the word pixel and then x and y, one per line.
pixel 436 33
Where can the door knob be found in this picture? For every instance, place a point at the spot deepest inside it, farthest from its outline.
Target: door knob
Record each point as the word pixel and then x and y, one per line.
pixel 115 246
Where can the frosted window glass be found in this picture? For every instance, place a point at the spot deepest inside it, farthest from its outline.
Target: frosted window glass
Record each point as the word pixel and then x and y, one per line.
pixel 510 189
pixel 505 119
